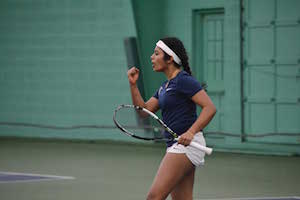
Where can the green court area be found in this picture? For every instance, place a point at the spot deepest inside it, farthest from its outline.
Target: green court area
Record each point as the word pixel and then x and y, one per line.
pixel 108 170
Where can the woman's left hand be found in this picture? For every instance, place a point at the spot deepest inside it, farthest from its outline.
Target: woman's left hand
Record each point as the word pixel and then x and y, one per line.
pixel 186 138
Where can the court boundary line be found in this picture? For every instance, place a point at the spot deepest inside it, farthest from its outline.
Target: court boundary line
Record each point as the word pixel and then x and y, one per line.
pixel 255 198
pixel 44 177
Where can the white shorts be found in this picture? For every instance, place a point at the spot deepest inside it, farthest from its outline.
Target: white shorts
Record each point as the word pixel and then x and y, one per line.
pixel 195 155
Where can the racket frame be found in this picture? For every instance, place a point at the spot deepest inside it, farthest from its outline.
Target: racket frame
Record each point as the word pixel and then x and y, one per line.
pixel 207 150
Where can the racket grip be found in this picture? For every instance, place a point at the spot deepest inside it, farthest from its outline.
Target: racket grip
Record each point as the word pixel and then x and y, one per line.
pixel 205 149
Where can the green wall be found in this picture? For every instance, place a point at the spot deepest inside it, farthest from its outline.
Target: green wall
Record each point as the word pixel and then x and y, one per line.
pixel 63 63
pixel 178 18
pixel 149 25
pixel 271 69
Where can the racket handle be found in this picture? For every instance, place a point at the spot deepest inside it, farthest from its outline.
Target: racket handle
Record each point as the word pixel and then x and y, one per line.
pixel 205 149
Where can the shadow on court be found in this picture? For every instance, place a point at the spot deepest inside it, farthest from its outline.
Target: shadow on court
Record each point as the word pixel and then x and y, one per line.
pixel 112 171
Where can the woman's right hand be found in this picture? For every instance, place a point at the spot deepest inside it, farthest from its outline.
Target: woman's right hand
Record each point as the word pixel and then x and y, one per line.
pixel 133 75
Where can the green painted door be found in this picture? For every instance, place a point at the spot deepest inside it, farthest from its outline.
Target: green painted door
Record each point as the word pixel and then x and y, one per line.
pixel 272 69
pixel 209 37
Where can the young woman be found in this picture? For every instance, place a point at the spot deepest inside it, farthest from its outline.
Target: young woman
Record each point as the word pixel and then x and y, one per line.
pixel 177 98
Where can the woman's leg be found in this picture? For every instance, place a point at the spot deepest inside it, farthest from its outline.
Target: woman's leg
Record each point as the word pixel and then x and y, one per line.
pixel 184 189
pixel 173 169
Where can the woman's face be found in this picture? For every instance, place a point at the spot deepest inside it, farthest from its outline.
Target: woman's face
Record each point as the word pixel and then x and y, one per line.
pixel 157 60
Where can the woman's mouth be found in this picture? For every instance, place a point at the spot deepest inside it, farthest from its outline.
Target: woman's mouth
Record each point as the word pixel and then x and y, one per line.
pixel 153 65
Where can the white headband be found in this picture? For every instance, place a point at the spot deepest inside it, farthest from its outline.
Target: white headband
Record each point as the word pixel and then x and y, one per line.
pixel 169 51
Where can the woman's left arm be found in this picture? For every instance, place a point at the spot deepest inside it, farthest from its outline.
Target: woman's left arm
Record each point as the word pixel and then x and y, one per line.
pixel 207 113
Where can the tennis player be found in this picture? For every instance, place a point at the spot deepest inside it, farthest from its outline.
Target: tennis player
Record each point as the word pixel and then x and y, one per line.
pixel 177 98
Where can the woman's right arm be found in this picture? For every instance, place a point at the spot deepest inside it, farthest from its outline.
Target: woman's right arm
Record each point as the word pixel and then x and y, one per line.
pixel 151 104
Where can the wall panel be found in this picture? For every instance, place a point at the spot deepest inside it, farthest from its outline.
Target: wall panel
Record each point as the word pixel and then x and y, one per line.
pixel 63 63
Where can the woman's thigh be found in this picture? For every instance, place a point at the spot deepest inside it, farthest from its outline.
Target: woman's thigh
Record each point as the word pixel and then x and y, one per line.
pixel 184 189
pixel 173 169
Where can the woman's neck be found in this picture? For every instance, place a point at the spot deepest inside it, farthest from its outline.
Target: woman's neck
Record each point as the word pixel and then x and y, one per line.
pixel 172 73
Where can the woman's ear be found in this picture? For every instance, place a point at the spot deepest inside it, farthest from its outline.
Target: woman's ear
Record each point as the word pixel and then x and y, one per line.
pixel 171 59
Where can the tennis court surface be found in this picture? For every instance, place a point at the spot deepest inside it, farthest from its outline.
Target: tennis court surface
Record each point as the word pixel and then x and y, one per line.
pixel 13 177
pixel 262 198
pixel 34 170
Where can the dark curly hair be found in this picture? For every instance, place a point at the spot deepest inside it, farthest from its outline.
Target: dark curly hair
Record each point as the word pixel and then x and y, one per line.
pixel 177 46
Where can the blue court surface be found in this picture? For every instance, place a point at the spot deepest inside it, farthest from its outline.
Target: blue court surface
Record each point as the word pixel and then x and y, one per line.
pixel 12 177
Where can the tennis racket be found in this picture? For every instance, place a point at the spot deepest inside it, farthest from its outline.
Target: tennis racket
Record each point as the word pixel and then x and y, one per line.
pixel 140 123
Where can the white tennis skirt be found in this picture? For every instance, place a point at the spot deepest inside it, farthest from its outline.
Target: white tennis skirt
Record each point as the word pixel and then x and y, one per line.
pixel 195 155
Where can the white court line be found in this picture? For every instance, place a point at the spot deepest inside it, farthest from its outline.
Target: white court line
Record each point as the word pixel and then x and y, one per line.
pixel 255 198
pixel 44 177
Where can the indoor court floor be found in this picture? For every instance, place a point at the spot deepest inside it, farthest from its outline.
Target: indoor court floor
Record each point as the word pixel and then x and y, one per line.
pixel 64 170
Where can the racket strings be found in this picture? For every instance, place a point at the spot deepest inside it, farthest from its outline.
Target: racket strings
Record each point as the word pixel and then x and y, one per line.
pixel 139 123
